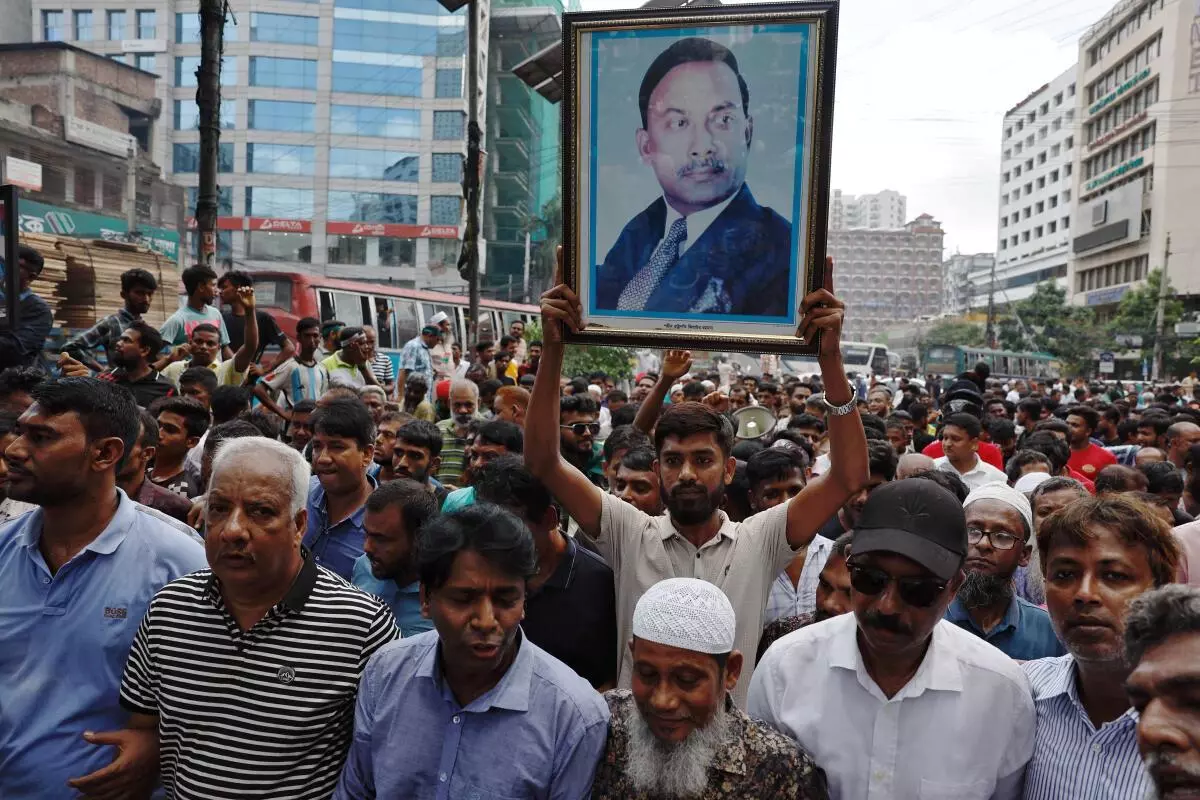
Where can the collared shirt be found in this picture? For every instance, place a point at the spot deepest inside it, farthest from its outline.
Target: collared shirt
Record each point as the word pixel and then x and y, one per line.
pixel 787 600
pixel 334 545
pixel 104 333
pixel 415 358
pixel 573 615
pixel 64 638
pixel 453 452
pixel 981 474
pixel 145 390
pixel 742 559
pixel 1071 759
pixel 404 601
pixel 11 509
pixel 343 373
pixel 1025 633
pixel 264 712
pixel 226 374
pixel 961 729
pixel 536 735
pixel 697 222
pixel 754 762
pixel 298 381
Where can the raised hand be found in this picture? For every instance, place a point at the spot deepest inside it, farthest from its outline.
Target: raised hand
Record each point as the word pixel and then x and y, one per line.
pixel 560 306
pixel 675 364
pixel 246 296
pixel 71 368
pixel 822 311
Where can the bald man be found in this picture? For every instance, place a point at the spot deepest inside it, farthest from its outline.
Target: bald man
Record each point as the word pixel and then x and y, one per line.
pixel 1180 437
pixel 912 464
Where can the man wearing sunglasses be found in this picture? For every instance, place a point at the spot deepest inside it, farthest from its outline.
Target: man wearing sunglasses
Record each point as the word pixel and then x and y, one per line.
pixel 999 540
pixel 864 692
pixel 578 429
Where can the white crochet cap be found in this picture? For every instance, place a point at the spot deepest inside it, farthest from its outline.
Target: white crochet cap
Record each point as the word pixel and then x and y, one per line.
pixel 1005 494
pixel 687 613
pixel 1030 481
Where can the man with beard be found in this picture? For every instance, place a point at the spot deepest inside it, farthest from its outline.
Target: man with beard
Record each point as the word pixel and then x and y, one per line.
pixel 882 460
pixel 677 733
pixel 693 443
pixel 863 691
pixel 131 358
pixel 386 431
pixel 388 566
pixel 76 576
pixel 416 454
pixel 1098 555
pixel 1163 646
pixel 578 430
pixel 464 404
pixel 137 292
pixel 999 527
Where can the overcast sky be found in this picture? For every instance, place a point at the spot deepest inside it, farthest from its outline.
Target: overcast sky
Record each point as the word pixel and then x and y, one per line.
pixel 922 88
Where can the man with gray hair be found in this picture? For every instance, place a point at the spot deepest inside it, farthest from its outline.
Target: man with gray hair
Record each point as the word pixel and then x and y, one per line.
pixel 464 406
pixel 248 670
pixel 677 733
pixel 1162 643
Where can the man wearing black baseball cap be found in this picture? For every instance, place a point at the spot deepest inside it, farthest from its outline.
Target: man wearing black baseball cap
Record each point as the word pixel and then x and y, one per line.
pixel 863 692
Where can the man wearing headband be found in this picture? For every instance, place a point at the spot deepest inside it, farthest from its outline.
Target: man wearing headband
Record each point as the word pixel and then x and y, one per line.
pixel 999 540
pixel 677 734
pixel 862 692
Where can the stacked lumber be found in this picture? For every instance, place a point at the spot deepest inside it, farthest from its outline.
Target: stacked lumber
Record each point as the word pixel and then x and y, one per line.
pixel 54 274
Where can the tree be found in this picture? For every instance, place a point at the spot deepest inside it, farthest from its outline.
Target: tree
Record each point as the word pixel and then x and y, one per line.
pixel 580 359
pixel 1044 322
pixel 1137 313
pixel 954 332
pixel 546 231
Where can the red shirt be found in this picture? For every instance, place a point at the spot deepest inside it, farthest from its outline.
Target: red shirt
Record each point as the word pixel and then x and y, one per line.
pixel 1089 462
pixel 987 451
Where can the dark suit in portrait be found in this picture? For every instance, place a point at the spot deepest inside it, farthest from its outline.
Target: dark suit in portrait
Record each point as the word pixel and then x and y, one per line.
pixel 740 264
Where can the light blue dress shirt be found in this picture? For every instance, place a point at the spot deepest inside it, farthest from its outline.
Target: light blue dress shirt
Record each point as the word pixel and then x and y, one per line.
pixel 1025 633
pixel 335 545
pixel 404 601
pixel 64 639
pixel 537 735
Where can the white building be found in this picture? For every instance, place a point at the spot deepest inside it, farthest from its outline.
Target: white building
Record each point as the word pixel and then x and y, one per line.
pixel 886 210
pixel 1036 186
pixel 965 282
pixel 1137 177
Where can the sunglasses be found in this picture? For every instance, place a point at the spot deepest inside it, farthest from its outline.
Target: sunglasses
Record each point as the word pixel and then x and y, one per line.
pixel 919 592
pixel 579 428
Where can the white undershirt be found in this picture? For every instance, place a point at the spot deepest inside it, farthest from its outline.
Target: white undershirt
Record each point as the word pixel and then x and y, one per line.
pixel 697 221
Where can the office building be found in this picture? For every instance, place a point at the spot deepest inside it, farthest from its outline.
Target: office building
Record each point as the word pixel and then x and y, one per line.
pixel 886 210
pixel 966 281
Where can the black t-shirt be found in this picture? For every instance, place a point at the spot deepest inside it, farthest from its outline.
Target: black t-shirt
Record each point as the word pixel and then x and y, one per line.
pixel 833 528
pixel 147 390
pixel 268 331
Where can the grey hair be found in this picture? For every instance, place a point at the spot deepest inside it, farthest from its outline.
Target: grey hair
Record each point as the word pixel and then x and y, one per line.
pixel 463 383
pixel 371 389
pixel 290 463
pixel 1158 615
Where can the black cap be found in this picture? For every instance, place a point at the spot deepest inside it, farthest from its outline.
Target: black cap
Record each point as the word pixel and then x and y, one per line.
pixel 917 519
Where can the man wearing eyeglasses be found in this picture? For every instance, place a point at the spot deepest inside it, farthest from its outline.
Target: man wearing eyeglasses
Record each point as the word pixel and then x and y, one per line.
pixel 999 540
pixel 864 692
pixel 577 431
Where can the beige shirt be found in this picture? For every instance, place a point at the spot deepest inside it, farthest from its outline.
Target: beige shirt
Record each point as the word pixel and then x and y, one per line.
pixel 742 559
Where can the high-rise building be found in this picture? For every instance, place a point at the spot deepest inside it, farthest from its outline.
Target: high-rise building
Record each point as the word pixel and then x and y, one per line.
pixel 1038 147
pixel 966 280
pixel 1136 176
pixel 343 126
pixel 888 276
pixel 886 210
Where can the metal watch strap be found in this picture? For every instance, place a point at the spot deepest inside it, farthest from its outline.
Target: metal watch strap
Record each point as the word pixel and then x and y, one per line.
pixel 847 407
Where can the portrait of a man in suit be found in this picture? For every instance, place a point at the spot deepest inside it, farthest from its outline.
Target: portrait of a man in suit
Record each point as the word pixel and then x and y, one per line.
pixel 704 246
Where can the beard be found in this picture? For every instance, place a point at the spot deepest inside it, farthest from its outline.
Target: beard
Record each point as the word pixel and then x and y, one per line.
pixel 673 770
pixel 981 590
pixel 1157 760
pixel 120 360
pixel 693 507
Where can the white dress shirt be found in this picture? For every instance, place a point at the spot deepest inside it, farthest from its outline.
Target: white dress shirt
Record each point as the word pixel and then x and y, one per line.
pixel 961 729
pixel 697 221
pixel 981 474
pixel 787 600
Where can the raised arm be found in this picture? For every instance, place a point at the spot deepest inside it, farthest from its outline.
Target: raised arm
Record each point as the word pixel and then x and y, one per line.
pixel 578 496
pixel 675 365
pixel 849 467
pixel 245 354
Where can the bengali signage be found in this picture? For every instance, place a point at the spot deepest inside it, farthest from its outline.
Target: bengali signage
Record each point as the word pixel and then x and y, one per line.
pixel 43 218
pixel 98 137
pixel 1128 166
pixel 26 174
pixel 1105 296
pixel 1133 122
pixel 1107 100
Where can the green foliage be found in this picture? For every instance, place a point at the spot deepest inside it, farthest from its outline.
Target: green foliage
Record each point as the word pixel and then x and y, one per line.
pixel 546 231
pixel 585 359
pixel 955 332
pixel 1136 314
pixel 1044 322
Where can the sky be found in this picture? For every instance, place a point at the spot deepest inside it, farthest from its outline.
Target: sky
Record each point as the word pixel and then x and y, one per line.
pixel 922 87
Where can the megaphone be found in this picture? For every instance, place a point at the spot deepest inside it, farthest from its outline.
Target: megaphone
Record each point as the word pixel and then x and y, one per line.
pixel 753 422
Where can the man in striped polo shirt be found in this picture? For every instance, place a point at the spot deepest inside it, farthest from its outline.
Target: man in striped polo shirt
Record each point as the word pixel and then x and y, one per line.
pixel 247 672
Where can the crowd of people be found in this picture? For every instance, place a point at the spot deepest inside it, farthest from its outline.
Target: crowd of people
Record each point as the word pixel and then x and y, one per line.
pixel 306 573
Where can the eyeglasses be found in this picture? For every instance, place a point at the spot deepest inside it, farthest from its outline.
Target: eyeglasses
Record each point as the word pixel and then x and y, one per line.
pixel 919 592
pixel 578 428
pixel 999 539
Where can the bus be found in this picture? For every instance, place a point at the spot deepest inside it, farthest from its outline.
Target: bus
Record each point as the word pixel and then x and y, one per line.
pixel 397 314
pixel 950 360
pixel 867 357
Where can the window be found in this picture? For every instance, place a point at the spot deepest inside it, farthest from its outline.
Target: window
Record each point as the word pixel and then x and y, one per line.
pixel 187 115
pixel 394 37
pixel 278 201
pixel 445 209
pixel 384 251
pixel 1066 223
pixel 146 61
pixel 279 159
pixel 1054 176
pixel 187 29
pixel 54 26
pixel 224 200
pixel 85 186
pixel 146 27
pixel 380 165
pixel 285 73
pixel 280 115
pixel 186 66
pixel 186 157
pixel 1053 201
pixel 283 28
pixel 84 32
pixel 447 168
pixel 397 252
pixel 112 189
pixel 1039 208
pixel 391 123
pixel 347 249
pixel 120 58
pixel 373 207
pixel 1058 100
pixel 451 42
pixel 376 80
pixel 448 83
pixel 1041 183
pixel 1037 232
pixel 444 251
pixel 279 246
pixel 1051 227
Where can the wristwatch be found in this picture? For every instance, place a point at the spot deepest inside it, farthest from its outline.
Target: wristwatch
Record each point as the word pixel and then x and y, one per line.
pixel 844 409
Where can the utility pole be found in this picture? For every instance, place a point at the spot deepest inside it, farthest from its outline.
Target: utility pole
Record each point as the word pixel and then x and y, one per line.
pixel 131 174
pixel 1160 315
pixel 468 260
pixel 990 333
pixel 208 99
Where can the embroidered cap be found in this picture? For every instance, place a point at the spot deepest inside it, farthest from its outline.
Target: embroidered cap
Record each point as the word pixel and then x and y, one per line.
pixel 687 613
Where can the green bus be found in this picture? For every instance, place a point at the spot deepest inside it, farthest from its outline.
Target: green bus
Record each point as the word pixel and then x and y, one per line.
pixel 949 360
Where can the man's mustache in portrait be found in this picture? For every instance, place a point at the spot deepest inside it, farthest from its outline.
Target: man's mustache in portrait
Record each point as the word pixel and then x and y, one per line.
pixel 711 163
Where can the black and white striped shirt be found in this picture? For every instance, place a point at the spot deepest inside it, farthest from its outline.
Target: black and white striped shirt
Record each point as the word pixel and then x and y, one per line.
pixel 264 713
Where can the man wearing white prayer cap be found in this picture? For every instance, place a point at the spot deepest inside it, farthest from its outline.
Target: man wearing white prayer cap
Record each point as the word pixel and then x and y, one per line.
pixel 999 541
pixel 677 734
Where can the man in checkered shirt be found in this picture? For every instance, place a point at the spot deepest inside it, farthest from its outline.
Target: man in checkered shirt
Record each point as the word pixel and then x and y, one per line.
pixel 137 290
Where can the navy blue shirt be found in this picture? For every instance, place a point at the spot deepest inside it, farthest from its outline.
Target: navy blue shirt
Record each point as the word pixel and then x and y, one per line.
pixel 1025 633
pixel 335 545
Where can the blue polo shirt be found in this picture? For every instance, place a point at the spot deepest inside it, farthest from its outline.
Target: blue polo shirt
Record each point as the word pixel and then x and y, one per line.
pixel 1025 633
pixel 404 601
pixel 335 545
pixel 64 639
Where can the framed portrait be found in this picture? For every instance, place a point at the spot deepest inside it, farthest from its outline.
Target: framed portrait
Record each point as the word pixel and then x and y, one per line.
pixel 696 151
